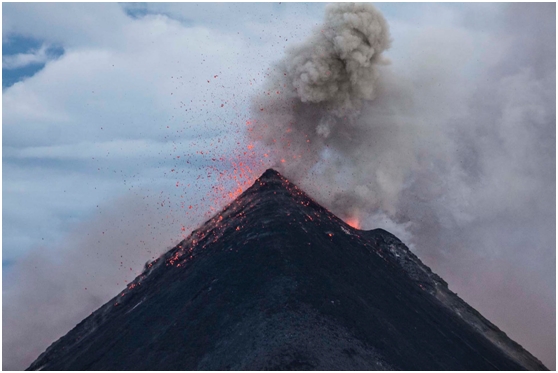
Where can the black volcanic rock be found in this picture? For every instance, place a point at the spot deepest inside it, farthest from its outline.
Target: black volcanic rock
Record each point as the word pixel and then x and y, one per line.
pixel 276 281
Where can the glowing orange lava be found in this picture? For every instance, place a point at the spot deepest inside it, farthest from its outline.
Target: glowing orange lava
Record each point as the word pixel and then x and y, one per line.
pixel 353 222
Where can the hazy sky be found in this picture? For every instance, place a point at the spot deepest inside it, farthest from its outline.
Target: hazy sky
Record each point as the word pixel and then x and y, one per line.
pixel 119 117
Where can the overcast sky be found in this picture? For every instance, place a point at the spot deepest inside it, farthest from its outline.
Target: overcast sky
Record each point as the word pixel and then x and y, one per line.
pixel 119 118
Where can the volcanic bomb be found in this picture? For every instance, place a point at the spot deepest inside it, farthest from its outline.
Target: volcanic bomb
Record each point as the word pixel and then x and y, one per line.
pixel 276 281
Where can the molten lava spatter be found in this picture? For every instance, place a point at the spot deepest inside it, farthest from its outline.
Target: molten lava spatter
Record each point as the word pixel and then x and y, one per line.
pixel 353 222
pixel 275 281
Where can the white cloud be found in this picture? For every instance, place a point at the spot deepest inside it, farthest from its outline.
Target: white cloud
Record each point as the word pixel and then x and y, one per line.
pixel 88 150
pixel 69 24
pixel 19 60
pixel 128 92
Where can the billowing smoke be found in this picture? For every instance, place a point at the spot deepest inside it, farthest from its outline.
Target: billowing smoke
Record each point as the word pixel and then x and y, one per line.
pixel 337 66
pixel 452 149
pixel 316 113
pixel 314 95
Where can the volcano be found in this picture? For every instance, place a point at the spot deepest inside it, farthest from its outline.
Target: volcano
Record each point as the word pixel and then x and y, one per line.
pixel 276 281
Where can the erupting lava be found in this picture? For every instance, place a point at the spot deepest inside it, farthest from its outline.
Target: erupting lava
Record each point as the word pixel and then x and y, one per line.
pixel 353 222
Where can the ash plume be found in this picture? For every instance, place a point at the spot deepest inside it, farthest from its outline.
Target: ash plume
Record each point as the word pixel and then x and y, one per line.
pixel 318 89
pixel 320 110
pixel 452 148
pixel 337 66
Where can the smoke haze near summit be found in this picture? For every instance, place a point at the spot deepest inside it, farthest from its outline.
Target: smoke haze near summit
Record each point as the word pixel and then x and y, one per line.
pixel 458 163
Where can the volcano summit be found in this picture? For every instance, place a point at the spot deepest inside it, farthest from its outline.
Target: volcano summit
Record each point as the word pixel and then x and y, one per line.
pixel 275 281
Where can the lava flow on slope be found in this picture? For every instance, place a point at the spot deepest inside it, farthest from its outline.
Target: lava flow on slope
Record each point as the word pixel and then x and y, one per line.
pixel 276 281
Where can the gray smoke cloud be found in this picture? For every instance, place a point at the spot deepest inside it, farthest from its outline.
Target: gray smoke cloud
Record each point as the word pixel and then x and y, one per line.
pixel 337 66
pixel 316 92
pixel 315 113
pixel 454 157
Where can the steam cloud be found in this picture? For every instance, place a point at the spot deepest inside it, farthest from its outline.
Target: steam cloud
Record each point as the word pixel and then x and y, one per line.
pixel 459 165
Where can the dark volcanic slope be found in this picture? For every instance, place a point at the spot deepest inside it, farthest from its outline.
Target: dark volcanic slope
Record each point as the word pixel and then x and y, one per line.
pixel 278 282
